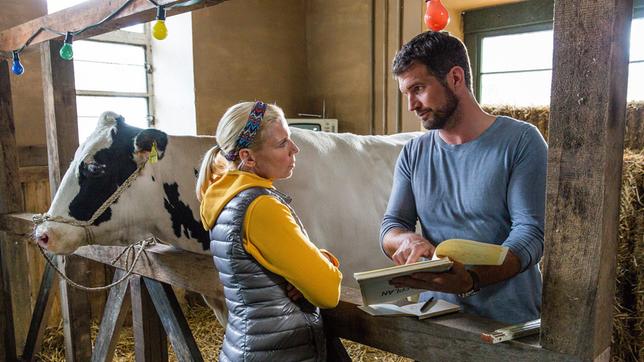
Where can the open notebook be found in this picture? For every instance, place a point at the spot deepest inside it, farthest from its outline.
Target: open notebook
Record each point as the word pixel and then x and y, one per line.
pixel 439 307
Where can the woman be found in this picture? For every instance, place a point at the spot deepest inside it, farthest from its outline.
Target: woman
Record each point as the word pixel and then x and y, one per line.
pixel 265 260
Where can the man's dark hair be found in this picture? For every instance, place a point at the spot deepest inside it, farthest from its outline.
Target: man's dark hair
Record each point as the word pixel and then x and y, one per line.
pixel 438 51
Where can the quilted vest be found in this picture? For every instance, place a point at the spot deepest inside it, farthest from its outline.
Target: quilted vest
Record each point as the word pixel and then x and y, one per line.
pixel 263 323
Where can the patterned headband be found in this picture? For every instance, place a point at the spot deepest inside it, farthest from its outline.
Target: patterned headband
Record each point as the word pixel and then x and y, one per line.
pixel 247 135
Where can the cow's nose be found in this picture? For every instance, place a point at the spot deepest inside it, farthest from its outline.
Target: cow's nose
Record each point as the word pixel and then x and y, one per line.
pixel 43 240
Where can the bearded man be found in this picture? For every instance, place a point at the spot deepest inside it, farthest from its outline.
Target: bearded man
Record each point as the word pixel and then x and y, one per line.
pixel 472 176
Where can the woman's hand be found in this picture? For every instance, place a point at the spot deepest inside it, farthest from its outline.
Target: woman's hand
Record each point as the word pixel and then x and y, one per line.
pixel 293 293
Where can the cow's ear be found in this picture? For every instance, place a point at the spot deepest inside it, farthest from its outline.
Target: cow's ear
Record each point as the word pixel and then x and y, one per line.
pixel 145 139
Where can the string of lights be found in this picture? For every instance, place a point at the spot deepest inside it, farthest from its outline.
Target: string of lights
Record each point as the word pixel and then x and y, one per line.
pixel 159 32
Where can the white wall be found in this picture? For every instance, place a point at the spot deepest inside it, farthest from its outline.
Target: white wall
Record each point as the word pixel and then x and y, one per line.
pixel 174 86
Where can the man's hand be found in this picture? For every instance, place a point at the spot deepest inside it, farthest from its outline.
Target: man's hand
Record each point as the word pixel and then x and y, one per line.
pixel 411 248
pixel 456 280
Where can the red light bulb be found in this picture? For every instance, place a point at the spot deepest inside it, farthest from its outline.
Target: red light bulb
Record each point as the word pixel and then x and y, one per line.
pixel 436 16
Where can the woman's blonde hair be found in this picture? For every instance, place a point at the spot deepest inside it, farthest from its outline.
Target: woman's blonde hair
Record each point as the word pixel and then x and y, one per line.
pixel 231 125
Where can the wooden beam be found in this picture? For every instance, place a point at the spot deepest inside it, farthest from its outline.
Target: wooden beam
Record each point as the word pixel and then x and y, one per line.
pixel 452 337
pixel 10 191
pixel 14 261
pixel 62 141
pixel 10 201
pixel 89 13
pixel 7 336
pixel 586 134
pixel 40 314
pixel 61 122
pixel 174 322
pixel 75 307
pixel 166 264
pixel 116 308
pixel 150 342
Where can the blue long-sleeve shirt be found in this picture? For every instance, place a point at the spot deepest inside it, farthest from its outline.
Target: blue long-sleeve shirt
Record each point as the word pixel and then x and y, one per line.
pixel 491 189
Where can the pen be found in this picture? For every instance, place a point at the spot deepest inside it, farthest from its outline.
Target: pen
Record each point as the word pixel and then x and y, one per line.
pixel 426 305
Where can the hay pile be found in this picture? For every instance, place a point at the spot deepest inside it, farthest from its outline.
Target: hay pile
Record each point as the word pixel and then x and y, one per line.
pixel 539 116
pixel 628 319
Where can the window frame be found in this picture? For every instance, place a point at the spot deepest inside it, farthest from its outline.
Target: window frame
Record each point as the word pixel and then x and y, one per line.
pixel 516 18
pixel 137 39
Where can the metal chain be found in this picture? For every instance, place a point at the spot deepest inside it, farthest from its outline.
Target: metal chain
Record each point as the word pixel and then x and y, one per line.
pixel 142 244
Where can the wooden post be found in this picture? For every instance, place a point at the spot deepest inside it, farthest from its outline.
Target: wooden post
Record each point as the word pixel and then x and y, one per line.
pixel 10 202
pixel 150 342
pixel 62 141
pixel 116 308
pixel 174 322
pixel 40 314
pixel 586 134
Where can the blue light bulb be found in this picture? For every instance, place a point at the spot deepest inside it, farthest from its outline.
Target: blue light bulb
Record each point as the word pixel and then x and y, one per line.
pixel 16 67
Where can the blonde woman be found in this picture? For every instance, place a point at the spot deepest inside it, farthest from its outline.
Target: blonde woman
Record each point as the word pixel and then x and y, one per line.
pixel 275 279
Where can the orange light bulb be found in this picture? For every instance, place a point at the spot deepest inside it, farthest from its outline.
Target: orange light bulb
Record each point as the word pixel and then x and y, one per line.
pixel 436 16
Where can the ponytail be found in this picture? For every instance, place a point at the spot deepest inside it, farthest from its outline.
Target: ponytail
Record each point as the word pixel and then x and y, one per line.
pixel 212 167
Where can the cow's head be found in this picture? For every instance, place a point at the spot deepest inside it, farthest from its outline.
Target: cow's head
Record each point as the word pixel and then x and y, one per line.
pixel 109 156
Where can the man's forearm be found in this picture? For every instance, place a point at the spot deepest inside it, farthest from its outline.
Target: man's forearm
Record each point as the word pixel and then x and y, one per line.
pixel 493 274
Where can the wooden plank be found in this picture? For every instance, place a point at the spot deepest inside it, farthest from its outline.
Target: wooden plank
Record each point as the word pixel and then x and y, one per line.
pixel 7 337
pixel 40 314
pixel 33 173
pixel 59 93
pixel 75 307
pixel 174 322
pixel 62 141
pixel 34 155
pixel 10 201
pixel 166 264
pixel 14 262
pixel 17 223
pixel 586 135
pixel 116 308
pixel 89 13
pixel 150 342
pixel 10 192
pixel 446 338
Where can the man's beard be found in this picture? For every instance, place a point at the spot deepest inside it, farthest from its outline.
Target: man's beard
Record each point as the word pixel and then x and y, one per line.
pixel 442 115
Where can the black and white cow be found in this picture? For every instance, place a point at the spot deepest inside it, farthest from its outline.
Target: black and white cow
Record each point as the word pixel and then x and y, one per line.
pixel 339 188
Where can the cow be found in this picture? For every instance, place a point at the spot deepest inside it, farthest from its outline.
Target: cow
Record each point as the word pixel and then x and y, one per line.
pixel 339 188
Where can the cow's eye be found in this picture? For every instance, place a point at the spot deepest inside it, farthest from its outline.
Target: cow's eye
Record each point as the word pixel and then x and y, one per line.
pixel 92 169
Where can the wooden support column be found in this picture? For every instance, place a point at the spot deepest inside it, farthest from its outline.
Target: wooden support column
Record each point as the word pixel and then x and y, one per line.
pixel 174 322
pixel 118 304
pixel 62 141
pixel 150 342
pixel 586 134
pixel 10 202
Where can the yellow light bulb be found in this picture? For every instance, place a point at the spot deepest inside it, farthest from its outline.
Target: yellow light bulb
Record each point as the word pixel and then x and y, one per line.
pixel 159 30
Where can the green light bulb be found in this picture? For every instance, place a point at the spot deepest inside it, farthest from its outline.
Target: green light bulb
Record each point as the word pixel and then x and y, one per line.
pixel 66 51
pixel 159 30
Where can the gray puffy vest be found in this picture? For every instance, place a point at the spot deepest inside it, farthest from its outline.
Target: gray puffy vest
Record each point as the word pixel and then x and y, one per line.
pixel 263 323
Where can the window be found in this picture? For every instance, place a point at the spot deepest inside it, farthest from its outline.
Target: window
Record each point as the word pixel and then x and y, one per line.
pixel 112 72
pixel 511 49
pixel 521 76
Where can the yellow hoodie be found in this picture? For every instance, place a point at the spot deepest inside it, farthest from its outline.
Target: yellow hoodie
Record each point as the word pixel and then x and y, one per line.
pixel 274 239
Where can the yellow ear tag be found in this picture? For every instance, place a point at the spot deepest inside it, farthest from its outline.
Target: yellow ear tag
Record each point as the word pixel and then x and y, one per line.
pixel 154 154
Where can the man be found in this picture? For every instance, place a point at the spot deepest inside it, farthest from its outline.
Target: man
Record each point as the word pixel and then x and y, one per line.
pixel 472 176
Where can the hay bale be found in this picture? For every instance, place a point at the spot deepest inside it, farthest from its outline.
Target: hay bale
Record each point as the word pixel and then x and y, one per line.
pixel 628 319
pixel 539 116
